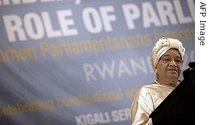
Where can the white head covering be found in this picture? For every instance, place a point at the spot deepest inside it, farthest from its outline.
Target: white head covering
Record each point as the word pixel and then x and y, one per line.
pixel 162 46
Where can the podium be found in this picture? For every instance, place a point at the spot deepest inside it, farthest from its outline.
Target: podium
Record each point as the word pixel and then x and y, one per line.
pixel 179 106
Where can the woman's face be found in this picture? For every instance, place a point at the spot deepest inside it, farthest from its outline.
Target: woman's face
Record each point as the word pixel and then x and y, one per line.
pixel 169 66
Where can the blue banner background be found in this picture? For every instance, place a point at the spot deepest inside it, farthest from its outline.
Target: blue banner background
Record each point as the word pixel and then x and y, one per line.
pixel 86 78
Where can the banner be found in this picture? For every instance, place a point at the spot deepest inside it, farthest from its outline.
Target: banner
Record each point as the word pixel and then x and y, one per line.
pixel 75 62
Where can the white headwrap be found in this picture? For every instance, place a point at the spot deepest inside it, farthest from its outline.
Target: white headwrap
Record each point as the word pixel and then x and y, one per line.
pixel 162 46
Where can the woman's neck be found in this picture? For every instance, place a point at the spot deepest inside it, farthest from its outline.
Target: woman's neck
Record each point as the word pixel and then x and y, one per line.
pixel 167 82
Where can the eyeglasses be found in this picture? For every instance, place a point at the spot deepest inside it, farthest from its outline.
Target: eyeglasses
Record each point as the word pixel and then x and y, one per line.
pixel 167 60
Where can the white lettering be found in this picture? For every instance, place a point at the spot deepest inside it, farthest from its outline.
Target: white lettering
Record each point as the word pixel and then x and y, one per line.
pixel 123 69
pixel 141 66
pixel 107 18
pixel 120 115
pixel 182 19
pixel 14 28
pixel 105 69
pixel 116 69
pixel 89 70
pixel 33 25
pixel 93 119
pixel 166 10
pixel 131 13
pixel 8 2
pixel 95 20
pixel 66 22
pixel 149 15
pixel 92 20
pixel 49 27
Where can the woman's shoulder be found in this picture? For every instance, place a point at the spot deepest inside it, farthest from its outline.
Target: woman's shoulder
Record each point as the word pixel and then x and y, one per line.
pixel 147 87
pixel 142 90
pixel 149 90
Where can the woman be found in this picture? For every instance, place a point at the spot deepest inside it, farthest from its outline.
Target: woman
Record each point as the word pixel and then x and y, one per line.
pixel 167 60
